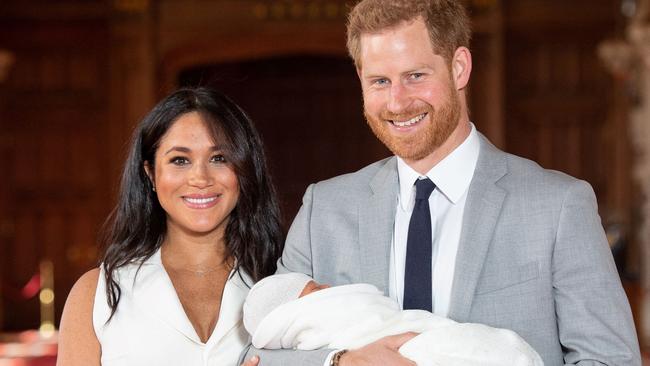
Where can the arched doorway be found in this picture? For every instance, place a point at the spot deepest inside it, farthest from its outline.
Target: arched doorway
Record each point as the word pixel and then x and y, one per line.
pixel 308 109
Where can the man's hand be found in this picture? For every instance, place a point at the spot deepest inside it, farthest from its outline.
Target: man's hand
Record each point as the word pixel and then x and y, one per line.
pixel 253 361
pixel 381 352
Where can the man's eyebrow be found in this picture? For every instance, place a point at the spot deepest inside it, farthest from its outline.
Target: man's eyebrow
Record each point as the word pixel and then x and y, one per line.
pixel 372 76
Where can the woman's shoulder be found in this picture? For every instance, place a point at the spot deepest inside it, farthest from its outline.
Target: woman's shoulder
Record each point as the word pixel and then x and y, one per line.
pixel 82 294
pixel 78 342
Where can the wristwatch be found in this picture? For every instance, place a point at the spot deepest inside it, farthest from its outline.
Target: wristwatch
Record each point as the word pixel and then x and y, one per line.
pixel 337 357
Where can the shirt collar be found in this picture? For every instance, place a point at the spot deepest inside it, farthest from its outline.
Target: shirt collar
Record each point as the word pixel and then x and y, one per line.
pixel 452 175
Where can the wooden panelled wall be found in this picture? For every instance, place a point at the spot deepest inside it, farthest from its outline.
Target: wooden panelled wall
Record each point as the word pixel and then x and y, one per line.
pixel 87 71
pixel 562 107
pixel 55 185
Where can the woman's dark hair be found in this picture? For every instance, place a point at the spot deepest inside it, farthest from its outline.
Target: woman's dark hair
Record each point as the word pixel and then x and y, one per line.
pixel 137 226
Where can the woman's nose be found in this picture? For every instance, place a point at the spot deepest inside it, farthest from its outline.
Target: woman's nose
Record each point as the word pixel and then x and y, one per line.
pixel 199 176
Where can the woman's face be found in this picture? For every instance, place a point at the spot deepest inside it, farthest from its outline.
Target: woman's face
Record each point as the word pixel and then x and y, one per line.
pixel 196 185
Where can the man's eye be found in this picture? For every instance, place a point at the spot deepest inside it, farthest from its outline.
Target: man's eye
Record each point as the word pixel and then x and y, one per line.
pixel 380 82
pixel 179 160
pixel 218 159
pixel 417 75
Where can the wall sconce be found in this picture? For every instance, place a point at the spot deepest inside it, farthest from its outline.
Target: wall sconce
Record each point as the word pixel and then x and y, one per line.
pixel 46 299
pixel 7 59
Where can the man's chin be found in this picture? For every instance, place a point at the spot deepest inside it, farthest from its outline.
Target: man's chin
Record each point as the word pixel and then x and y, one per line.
pixel 412 156
pixel 411 150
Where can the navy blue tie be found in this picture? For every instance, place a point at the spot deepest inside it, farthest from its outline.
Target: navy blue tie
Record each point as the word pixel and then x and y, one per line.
pixel 417 274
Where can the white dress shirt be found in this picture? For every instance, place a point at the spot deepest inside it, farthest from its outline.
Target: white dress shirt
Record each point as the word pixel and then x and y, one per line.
pixel 452 177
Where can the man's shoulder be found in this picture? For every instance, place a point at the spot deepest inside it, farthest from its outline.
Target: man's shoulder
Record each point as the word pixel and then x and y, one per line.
pixel 358 180
pixel 523 167
pixel 528 176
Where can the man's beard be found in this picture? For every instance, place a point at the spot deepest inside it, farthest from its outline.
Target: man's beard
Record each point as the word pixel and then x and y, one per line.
pixel 418 146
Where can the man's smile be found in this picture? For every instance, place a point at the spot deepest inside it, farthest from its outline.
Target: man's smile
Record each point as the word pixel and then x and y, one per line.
pixel 408 122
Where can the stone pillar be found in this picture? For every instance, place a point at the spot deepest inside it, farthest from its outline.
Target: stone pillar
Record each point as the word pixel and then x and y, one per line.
pixel 629 61
pixel 639 36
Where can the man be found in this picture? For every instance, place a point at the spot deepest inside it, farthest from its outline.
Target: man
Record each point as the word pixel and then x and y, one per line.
pixel 506 243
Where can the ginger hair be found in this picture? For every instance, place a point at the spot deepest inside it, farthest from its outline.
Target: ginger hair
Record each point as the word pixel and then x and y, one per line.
pixel 446 20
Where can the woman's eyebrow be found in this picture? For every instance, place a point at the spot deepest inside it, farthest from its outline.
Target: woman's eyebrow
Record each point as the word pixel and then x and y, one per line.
pixel 187 149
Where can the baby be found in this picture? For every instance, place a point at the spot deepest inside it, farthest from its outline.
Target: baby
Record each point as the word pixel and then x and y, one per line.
pixel 291 311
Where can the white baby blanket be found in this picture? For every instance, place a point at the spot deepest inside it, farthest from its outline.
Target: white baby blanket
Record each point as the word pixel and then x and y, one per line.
pixel 352 316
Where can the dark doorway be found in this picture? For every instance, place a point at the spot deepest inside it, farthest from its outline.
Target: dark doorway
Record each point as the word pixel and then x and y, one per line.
pixel 308 110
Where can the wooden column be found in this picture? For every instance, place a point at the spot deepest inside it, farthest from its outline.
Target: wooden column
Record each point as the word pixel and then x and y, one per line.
pixel 6 61
pixel 486 90
pixel 132 70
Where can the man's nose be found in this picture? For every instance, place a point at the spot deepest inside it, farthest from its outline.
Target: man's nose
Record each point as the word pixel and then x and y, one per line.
pixel 399 98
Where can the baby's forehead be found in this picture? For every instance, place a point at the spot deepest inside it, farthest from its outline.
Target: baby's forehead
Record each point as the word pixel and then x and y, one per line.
pixel 271 293
pixel 286 286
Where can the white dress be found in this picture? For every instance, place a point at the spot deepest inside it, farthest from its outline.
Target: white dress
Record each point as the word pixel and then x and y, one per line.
pixel 150 326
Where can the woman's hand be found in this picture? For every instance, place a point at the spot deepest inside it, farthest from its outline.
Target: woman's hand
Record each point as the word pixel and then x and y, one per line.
pixel 253 361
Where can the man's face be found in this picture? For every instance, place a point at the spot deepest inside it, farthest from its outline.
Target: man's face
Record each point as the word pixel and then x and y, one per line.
pixel 410 100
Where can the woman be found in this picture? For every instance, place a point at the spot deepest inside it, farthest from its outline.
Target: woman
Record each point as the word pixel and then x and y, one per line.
pixel 196 224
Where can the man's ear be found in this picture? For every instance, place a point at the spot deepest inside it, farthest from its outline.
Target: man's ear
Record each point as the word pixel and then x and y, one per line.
pixel 461 67
pixel 149 170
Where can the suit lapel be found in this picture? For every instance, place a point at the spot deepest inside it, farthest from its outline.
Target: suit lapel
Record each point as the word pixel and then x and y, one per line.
pixel 482 210
pixel 376 224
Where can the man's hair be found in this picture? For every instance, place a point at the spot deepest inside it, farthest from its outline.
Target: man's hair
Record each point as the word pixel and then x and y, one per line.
pixel 446 20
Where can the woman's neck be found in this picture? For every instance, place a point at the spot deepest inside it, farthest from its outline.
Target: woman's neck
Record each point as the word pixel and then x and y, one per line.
pixel 187 250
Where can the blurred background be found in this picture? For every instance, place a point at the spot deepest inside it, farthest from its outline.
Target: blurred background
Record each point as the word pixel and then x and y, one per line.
pixel 562 82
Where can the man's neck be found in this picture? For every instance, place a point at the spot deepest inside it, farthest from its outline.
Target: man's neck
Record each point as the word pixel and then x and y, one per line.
pixel 424 165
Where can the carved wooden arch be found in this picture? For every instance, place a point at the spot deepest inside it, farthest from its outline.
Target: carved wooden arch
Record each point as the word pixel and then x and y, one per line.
pixel 235 47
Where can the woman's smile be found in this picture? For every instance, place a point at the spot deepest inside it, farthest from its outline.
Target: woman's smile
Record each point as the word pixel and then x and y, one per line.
pixel 198 201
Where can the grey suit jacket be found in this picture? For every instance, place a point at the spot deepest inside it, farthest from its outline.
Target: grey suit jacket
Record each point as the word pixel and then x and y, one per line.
pixel 532 258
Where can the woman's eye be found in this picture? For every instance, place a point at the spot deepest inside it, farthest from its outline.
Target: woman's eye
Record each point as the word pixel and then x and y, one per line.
pixel 218 159
pixel 179 160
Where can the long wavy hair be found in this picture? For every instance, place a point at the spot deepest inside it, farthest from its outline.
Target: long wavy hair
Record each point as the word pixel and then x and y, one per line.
pixel 137 226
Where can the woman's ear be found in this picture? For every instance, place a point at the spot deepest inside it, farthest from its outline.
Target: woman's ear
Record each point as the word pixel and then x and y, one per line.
pixel 148 169
pixel 461 67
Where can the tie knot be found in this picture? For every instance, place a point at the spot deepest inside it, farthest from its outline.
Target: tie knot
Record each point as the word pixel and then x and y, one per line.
pixel 423 188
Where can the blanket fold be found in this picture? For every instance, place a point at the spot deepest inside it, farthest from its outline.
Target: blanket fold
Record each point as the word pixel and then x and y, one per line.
pixel 352 316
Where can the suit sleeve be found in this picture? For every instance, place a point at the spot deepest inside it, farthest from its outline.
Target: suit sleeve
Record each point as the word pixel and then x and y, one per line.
pixel 594 318
pixel 296 257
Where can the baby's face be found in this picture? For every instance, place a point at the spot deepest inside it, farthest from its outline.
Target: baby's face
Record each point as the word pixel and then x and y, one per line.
pixel 312 286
